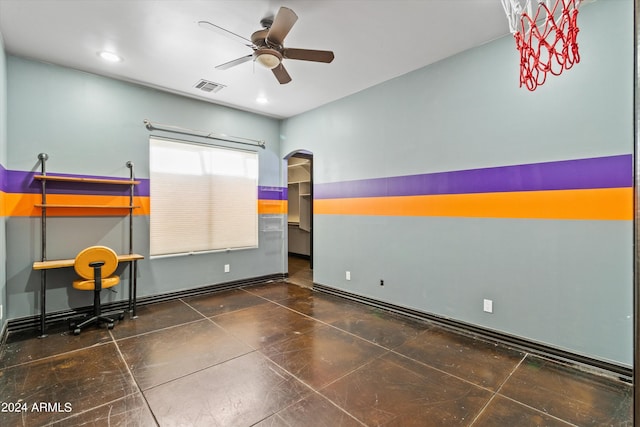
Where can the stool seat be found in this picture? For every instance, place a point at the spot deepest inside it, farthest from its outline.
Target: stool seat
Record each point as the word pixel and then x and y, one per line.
pixel 90 285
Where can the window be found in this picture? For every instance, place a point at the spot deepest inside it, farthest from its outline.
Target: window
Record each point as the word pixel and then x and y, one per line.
pixel 203 198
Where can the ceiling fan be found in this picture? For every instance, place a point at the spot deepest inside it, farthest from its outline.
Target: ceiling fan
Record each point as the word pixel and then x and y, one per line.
pixel 267 45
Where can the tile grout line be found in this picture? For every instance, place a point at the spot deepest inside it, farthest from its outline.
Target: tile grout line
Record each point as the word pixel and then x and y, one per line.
pixel 160 329
pixel 98 344
pixel 144 397
pixel 295 376
pixel 486 405
pixel 333 326
pixel 271 415
pixel 112 341
pixel 257 351
pixel 198 311
pixel 137 386
pixel 313 390
pixel 209 320
pixel 497 392
pixel 392 350
pixel 323 387
pixel 356 369
pixel 166 327
pixel 200 370
pixel 54 422
pixel 522 403
pixel 238 338
pixel 229 312
pixel 435 368
pixel 539 411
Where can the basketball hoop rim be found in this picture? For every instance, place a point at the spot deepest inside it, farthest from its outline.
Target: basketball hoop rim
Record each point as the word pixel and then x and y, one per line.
pixel 516 9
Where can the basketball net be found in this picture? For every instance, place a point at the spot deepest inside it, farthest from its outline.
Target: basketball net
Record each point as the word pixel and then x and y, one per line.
pixel 545 34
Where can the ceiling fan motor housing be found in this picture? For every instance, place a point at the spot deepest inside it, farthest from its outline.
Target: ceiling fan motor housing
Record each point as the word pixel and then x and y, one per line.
pixel 267 55
pixel 266 22
pixel 259 38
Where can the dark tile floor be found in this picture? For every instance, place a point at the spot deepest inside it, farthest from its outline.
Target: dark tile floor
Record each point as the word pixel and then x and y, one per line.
pixel 299 271
pixel 282 355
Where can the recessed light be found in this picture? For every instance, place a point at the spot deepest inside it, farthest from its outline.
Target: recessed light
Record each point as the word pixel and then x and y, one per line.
pixel 262 100
pixel 109 56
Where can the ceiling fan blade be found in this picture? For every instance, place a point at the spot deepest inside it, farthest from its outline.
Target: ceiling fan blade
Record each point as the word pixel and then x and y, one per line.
pixel 308 55
pixel 281 74
pixel 282 24
pixel 235 62
pixel 217 29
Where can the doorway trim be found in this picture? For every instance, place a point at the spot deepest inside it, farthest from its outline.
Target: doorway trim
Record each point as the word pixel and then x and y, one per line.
pixel 306 154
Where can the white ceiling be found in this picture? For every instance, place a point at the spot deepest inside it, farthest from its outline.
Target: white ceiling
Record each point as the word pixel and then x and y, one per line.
pixel 164 47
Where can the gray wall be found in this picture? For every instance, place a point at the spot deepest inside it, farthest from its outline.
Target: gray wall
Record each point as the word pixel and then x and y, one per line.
pixel 3 162
pixel 564 283
pixel 92 125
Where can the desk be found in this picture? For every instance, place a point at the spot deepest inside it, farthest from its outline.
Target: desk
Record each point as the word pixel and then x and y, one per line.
pixel 65 263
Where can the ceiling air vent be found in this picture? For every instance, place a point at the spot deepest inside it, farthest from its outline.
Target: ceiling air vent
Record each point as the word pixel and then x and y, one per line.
pixel 207 86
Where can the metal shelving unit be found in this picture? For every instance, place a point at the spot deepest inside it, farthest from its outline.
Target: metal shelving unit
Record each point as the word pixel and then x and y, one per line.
pixel 46 264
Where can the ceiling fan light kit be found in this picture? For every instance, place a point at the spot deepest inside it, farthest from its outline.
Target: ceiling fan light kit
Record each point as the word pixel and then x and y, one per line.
pixel 268 58
pixel 267 45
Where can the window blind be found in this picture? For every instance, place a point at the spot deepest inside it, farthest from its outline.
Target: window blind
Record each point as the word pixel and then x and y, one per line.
pixel 203 198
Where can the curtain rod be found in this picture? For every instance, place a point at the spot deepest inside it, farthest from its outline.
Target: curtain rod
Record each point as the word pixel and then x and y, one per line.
pixel 203 134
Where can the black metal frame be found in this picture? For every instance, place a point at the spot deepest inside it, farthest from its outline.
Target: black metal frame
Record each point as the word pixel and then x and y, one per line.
pixel 43 157
pixel 636 228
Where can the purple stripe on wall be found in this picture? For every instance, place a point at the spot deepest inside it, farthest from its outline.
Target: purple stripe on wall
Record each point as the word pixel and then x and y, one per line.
pixel 23 182
pixel 600 172
pixel 272 193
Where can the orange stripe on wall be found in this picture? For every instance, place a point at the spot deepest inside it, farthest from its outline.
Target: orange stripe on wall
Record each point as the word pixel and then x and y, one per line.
pixel 595 204
pixel 23 204
pixel 3 207
pixel 20 204
pixel 272 207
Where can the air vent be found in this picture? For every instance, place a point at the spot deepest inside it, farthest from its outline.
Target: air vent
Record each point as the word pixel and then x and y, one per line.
pixel 207 86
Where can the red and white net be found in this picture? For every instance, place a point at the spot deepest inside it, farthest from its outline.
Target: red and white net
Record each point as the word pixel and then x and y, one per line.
pixel 546 34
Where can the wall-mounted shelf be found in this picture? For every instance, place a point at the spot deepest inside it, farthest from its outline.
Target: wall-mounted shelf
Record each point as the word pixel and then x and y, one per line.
pixel 40 205
pixel 85 180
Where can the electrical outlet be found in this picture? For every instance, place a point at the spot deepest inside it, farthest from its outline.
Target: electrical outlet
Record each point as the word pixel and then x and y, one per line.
pixel 0 311
pixel 488 306
pixel 227 268
pixel 348 275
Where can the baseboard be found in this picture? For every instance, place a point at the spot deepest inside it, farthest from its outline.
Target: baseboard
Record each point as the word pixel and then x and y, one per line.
pixel 584 362
pixel 33 322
